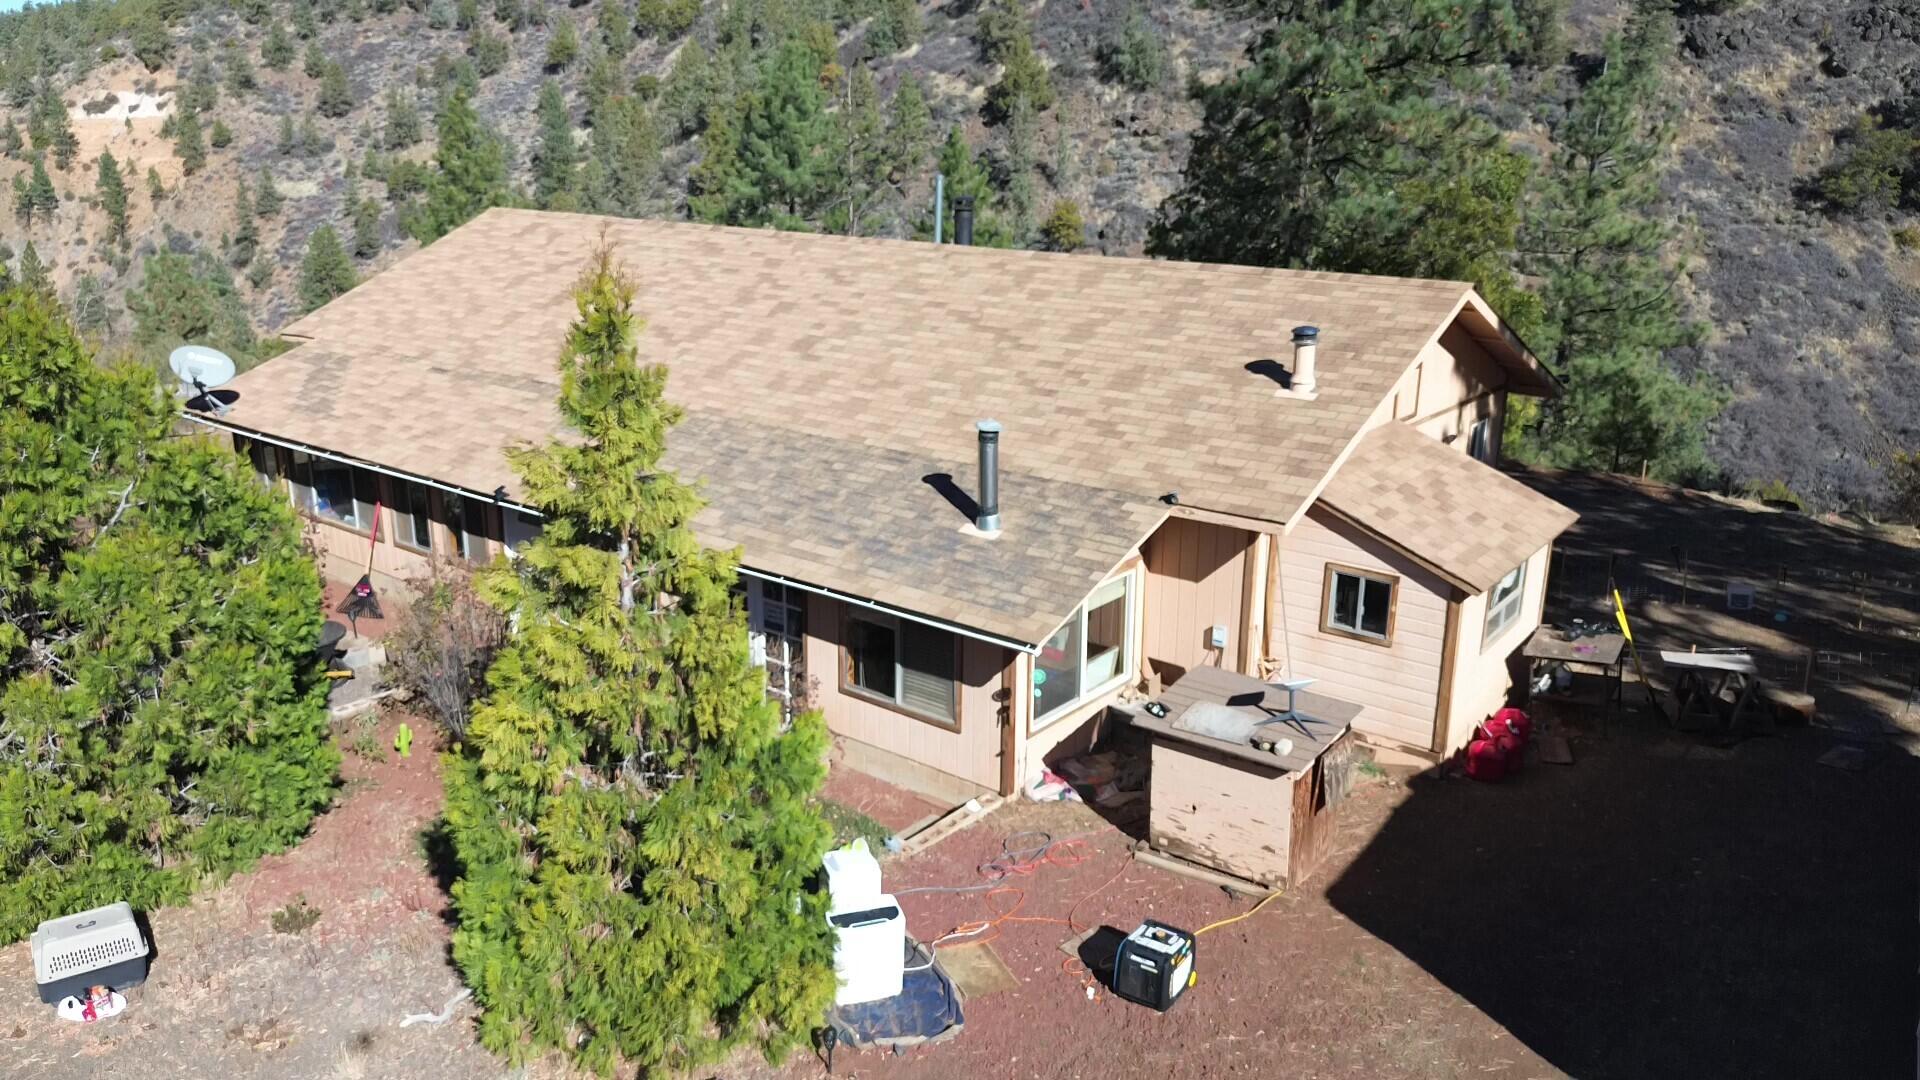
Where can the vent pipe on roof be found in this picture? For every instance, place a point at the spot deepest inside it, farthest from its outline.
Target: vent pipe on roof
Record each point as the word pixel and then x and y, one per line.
pixel 1306 341
pixel 963 220
pixel 987 517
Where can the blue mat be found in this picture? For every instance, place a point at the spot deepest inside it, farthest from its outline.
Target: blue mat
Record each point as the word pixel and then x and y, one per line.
pixel 927 1009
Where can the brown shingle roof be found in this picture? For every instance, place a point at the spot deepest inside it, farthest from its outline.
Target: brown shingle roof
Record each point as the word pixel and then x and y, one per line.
pixel 1468 521
pixel 1120 379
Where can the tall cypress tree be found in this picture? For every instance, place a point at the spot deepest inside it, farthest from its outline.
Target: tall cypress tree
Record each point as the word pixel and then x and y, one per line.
pixel 470 172
pixel 626 783
pixel 112 189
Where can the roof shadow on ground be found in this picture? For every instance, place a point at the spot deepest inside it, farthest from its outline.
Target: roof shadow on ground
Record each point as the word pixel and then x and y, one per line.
pixel 1660 909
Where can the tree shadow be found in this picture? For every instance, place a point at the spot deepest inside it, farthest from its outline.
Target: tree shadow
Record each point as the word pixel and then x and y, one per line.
pixel 1662 909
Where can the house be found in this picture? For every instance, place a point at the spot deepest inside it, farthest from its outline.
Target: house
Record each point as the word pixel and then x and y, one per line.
pixel 1188 471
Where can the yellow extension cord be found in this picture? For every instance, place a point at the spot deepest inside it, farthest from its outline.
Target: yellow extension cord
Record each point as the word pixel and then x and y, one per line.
pixel 1247 914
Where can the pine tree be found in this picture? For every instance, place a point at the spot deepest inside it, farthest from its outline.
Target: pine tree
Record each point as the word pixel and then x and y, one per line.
pixel 156 190
pixel 563 48
pixel 325 272
pixel 967 174
pixel 555 158
pixel 56 129
pixel 11 143
pixel 34 275
pixel 1024 76
pixel 863 168
pixel 221 136
pixel 336 94
pixel 1611 301
pixel 622 172
pixel 112 190
pixel 277 52
pixel 246 229
pixel 1020 157
pixel 783 139
pixel 367 240
pixel 489 51
pixel 470 172
pixel 711 184
pixel 157 619
pixel 1304 156
pixel 313 63
pixel 403 121
pixel 266 197
pixel 184 298
pixel 188 144
pixel 40 190
pixel 909 129
pixel 202 94
pixel 288 140
pixel 91 314
pixel 663 814
pixel 241 79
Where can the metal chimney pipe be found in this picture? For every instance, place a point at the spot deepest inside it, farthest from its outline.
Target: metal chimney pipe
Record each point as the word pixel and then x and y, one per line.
pixel 987 518
pixel 1306 342
pixel 963 220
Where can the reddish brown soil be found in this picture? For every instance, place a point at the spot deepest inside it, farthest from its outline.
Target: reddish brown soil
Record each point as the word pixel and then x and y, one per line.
pixel 896 808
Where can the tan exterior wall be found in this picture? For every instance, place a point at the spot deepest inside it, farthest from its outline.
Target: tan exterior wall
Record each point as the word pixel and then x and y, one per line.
pixel 1453 384
pixel 1397 684
pixel 1480 674
pixel 972 753
pixel 1221 813
pixel 1196 579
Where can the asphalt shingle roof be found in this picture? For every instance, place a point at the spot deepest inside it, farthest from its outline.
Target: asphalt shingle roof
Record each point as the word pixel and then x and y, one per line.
pixel 1118 381
pixel 1471 522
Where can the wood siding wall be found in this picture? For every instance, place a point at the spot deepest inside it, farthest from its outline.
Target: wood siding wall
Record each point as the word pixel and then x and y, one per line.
pixel 1221 813
pixel 1396 684
pixel 1196 577
pixel 972 753
pixel 1453 384
pixel 1481 676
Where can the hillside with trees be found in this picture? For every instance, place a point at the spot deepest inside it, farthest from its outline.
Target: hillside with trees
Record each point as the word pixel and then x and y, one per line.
pixel 1701 214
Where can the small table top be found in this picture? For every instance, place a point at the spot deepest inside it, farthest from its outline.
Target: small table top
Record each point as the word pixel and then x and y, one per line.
pixel 1548 643
pixel 1223 695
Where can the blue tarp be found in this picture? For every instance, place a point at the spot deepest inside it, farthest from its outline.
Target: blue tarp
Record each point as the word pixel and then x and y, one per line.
pixel 927 1009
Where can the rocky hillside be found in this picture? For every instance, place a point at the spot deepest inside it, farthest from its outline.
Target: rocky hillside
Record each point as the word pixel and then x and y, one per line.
pixel 1814 318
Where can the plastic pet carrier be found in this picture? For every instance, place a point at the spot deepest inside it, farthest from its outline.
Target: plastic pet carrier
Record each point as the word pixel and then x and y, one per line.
pixel 102 947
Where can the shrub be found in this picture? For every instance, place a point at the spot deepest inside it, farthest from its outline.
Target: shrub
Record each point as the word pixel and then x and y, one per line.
pixel 297 917
pixel 162 718
pixel 1907 237
pixel 1871 168
pixel 1133 53
pixel 442 646
pixel 1064 229
pixel 665 19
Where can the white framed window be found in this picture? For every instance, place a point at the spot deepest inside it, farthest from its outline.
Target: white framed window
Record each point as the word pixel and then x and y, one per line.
pixel 520 528
pixel 1358 603
pixel 904 665
pixel 1480 441
pixel 334 490
pixel 467 520
pixel 1503 603
pixel 1091 653
pixel 412 515
pixel 776 633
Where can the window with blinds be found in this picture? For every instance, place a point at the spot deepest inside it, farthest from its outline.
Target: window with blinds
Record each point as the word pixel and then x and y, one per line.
pixel 904 664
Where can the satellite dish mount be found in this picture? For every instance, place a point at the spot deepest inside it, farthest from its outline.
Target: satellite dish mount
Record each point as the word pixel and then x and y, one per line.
pixel 202 370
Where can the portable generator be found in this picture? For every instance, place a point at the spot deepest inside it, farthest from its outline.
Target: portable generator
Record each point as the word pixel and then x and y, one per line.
pixel 1154 966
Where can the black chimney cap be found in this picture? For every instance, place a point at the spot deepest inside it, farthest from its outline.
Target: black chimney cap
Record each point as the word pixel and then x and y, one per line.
pixel 1304 334
pixel 963 220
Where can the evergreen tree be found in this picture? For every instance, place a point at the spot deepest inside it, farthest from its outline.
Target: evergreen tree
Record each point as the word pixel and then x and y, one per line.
pixel 367 240
pixel 783 139
pixel 967 174
pixel 11 143
pixel 1611 300
pixel 241 79
pixel 690 89
pixel 555 157
pixel 40 190
pixel 711 184
pixel 157 615
pixel 266 196
pixel 336 94
pixel 277 52
pixel 470 172
pixel 203 89
pixel 246 229
pixel 189 298
pixel 325 272
pixel 313 63
pixel 1020 157
pixel 55 129
pixel 622 172
pixel 1024 77
pixel 489 51
pixel 1308 157
pixel 909 129
pixel 863 169
pixel 152 42
pixel 156 190
pixel 221 136
pixel 33 275
pixel 188 144
pixel 626 779
pixel 112 190
pixel 90 312
pixel 563 48
pixel 403 121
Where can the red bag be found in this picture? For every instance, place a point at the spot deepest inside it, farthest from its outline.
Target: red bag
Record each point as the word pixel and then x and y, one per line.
pixel 1514 722
pixel 1485 760
pixel 1514 750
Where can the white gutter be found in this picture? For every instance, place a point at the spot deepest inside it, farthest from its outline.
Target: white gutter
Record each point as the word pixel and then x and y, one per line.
pixel 817 590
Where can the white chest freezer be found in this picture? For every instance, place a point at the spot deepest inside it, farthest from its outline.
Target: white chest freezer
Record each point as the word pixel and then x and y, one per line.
pixel 869 948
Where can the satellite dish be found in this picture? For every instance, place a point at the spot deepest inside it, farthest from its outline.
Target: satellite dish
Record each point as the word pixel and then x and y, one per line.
pixel 201 369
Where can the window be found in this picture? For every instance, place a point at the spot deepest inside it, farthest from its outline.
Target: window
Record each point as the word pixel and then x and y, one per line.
pixel 521 529
pixel 1480 441
pixel 412 515
pixel 1089 655
pixel 777 624
pixel 1503 602
pixel 904 664
pixel 266 463
pixel 334 490
pixel 1358 604
pixel 468 520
